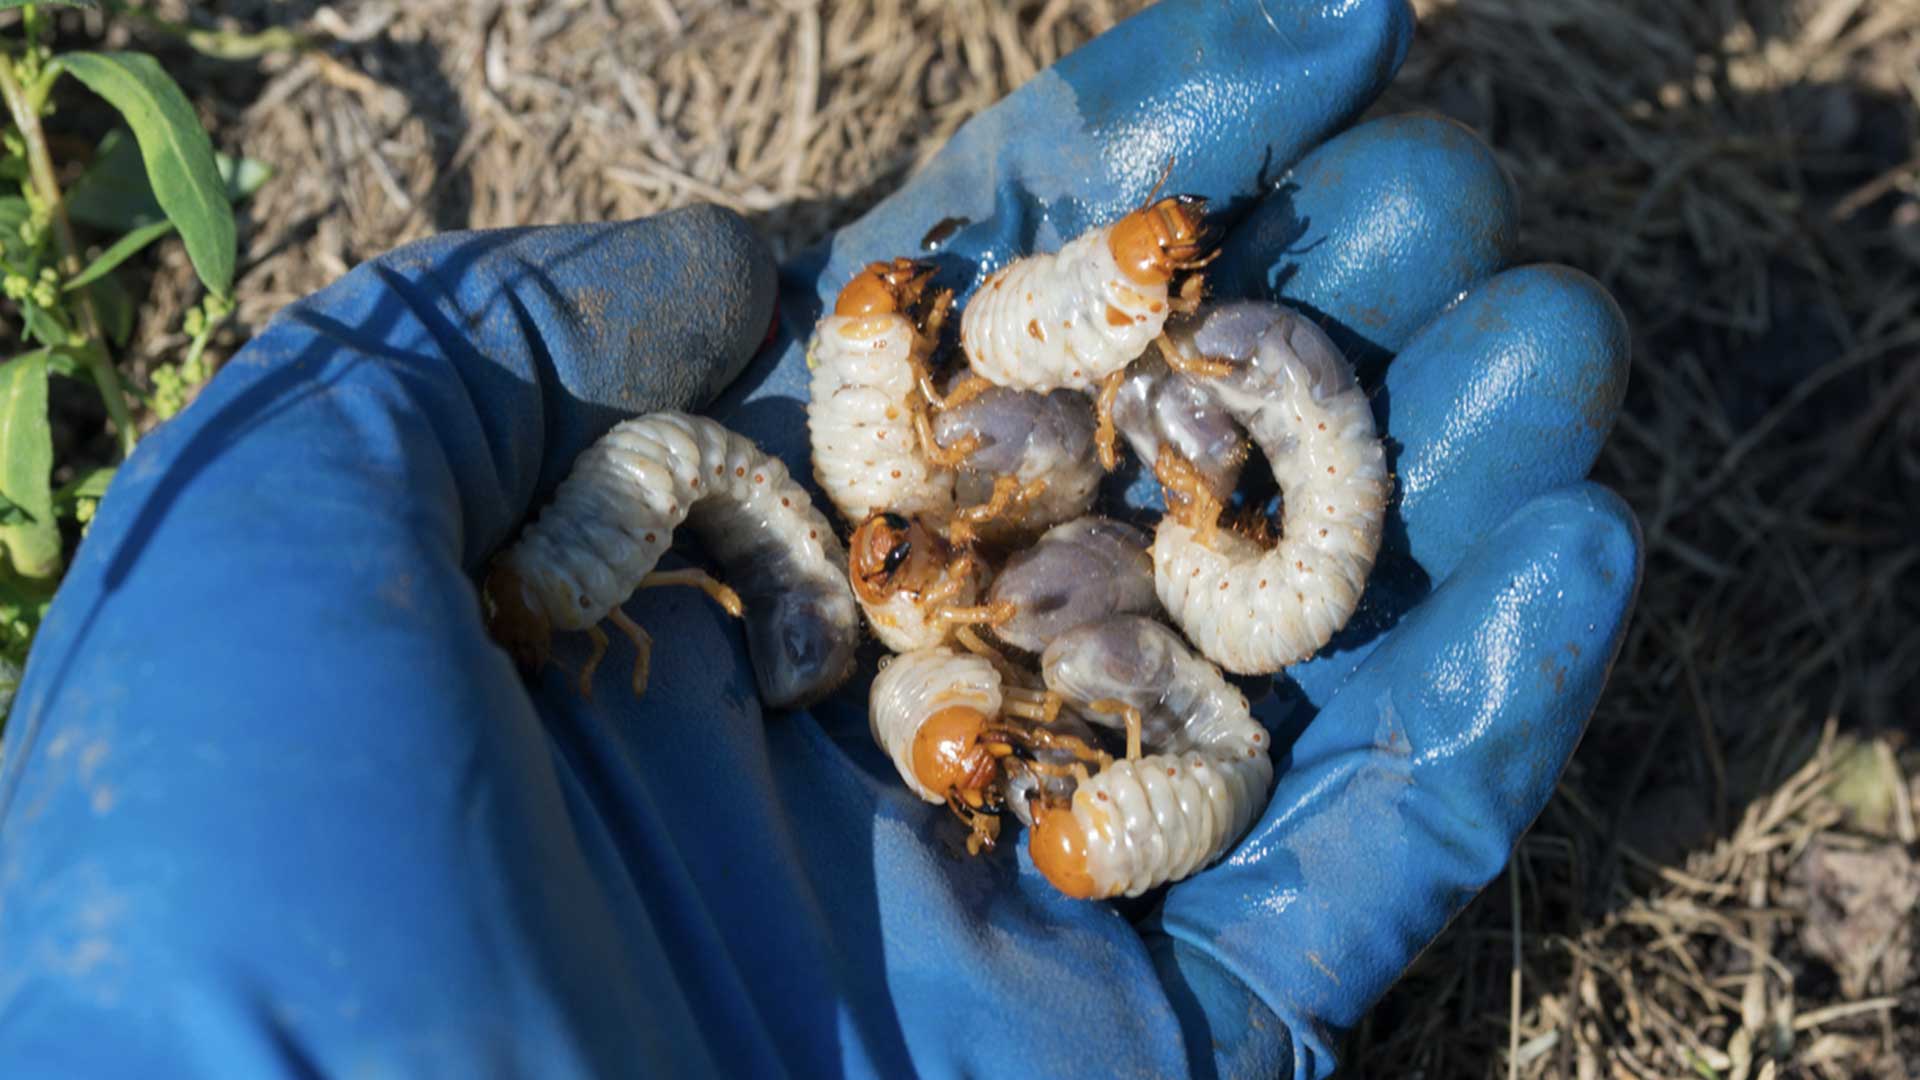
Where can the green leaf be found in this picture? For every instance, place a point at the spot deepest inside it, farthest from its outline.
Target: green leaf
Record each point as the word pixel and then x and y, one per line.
pixel 90 5
pixel 12 513
pixel 14 213
pixel 113 194
pixel 122 250
pixel 91 484
pixel 23 604
pixel 23 597
pixel 114 304
pixel 63 360
pixel 244 176
pixel 41 327
pixel 26 465
pixel 177 152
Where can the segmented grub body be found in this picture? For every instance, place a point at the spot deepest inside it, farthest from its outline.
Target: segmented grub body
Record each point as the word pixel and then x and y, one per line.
pixel 1073 317
pixel 867 455
pixel 1143 822
pixel 1254 607
pixel 615 514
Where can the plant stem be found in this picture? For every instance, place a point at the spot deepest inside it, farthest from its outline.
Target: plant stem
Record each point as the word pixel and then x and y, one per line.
pixel 220 44
pixel 198 345
pixel 40 165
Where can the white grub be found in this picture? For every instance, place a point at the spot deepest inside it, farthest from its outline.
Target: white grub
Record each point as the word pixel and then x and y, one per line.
pixel 1071 318
pixel 614 516
pixel 866 409
pixel 958 733
pixel 914 687
pixel 1149 819
pixel 1250 605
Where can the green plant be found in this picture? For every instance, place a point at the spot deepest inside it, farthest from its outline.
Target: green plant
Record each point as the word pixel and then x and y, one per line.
pixel 69 308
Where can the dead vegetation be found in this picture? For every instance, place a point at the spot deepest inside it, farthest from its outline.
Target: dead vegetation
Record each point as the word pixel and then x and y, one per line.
pixel 1742 175
pixel 1725 885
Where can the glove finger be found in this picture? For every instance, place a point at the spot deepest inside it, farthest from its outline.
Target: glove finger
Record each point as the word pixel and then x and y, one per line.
pixel 1377 231
pixel 525 345
pixel 1405 794
pixel 1509 394
pixel 591 324
pixel 1229 93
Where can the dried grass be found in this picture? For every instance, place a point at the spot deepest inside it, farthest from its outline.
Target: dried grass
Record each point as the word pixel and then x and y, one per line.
pixel 1742 173
pixel 1737 173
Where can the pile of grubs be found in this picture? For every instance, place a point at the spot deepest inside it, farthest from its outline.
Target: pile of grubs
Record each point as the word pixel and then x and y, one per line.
pixel 1038 668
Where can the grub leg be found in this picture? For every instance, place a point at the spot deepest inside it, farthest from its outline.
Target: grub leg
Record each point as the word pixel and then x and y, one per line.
pixel 1200 367
pixel 1007 494
pixel 983 825
pixel 1106 438
pixel 1022 710
pixel 1040 705
pixel 699 579
pixel 955 577
pixel 1190 500
pixel 971 641
pixel 936 319
pixel 1199 263
pixel 969 388
pixel 946 457
pixel 599 639
pixel 642 648
pixel 960 532
pixel 983 833
pixel 1130 714
pixel 1192 292
pixel 990 614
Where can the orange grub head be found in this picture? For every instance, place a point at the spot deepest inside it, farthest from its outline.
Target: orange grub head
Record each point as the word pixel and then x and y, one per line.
pixel 949 756
pixel 890 554
pixel 1154 241
pixel 885 288
pixel 513 620
pixel 1059 848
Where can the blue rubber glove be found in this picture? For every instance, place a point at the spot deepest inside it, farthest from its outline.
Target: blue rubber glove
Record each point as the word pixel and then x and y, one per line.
pixel 273 804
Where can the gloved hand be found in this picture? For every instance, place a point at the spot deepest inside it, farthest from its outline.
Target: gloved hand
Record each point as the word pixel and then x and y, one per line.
pixel 273 803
